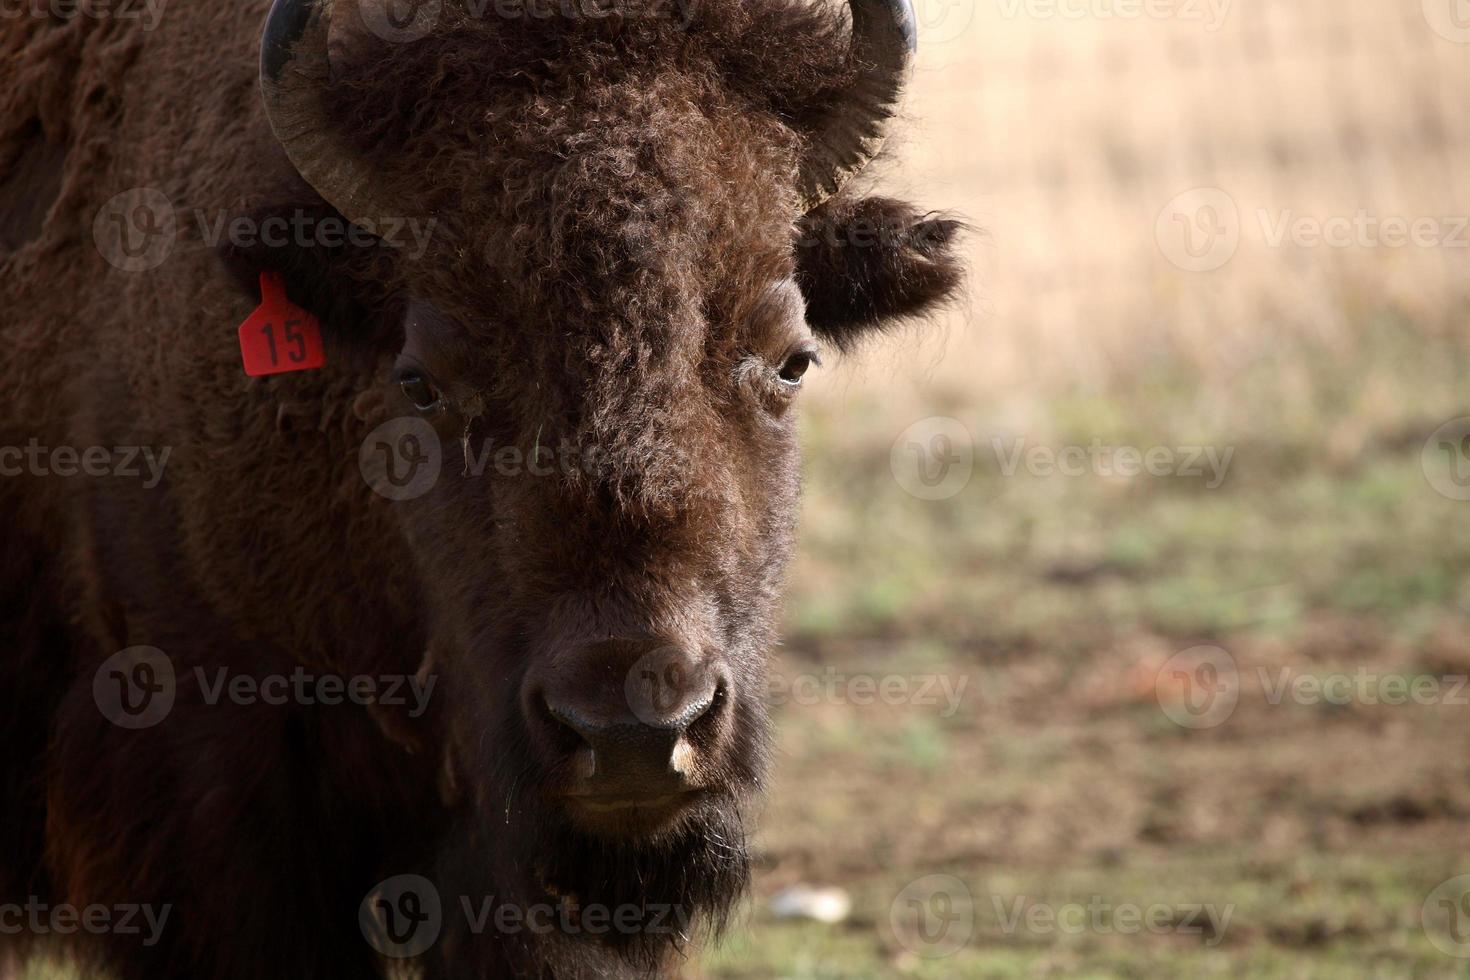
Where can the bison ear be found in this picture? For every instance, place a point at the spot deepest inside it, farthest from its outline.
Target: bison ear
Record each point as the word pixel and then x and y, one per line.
pixel 333 270
pixel 866 263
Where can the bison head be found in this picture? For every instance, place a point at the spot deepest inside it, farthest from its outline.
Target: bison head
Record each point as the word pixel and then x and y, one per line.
pixel 640 244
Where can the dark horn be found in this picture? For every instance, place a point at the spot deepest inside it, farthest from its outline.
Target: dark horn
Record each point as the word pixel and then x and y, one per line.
pixel 294 71
pixel 884 38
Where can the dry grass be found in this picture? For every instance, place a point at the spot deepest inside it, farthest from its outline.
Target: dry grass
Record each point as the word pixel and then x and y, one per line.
pixel 1066 137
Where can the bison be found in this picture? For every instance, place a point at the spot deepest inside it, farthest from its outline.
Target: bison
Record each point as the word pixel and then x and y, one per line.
pixel 552 273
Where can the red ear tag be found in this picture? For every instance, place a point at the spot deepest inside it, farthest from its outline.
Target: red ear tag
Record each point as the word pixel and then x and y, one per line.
pixel 279 336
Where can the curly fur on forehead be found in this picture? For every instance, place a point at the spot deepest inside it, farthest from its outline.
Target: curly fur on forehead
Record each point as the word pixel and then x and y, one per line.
pixel 786 57
pixel 602 152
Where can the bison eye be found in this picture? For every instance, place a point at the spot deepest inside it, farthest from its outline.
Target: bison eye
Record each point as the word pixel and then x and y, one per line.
pixel 420 391
pixel 796 365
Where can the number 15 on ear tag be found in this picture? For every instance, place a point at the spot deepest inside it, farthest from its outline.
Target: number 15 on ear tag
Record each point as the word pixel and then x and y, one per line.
pixel 279 336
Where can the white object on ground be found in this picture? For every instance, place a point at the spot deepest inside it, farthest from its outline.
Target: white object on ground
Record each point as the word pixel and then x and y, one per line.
pixel 829 905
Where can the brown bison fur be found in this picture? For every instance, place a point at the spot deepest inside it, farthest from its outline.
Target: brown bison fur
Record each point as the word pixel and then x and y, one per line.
pixel 615 216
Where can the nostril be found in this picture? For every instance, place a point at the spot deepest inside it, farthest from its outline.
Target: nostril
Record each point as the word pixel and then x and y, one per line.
pixel 690 714
pixel 613 720
pixel 703 727
pixel 569 732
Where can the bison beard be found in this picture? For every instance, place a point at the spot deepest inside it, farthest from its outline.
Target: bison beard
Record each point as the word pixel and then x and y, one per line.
pixel 686 881
pixel 692 876
pixel 684 885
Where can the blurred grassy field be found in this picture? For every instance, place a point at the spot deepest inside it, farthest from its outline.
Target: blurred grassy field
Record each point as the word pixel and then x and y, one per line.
pixel 1058 599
